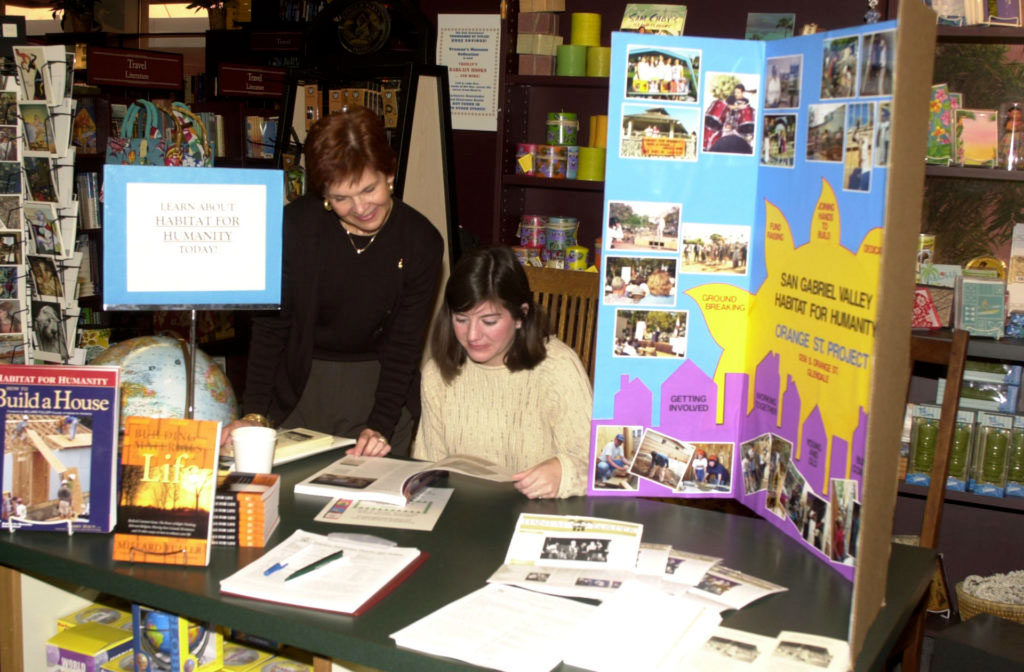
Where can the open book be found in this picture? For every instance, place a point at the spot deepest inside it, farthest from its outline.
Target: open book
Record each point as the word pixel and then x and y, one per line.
pixel 361 576
pixel 390 480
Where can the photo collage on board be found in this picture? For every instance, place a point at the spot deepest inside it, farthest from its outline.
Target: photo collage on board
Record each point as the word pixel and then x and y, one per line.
pixel 38 264
pixel 846 126
pixel 828 525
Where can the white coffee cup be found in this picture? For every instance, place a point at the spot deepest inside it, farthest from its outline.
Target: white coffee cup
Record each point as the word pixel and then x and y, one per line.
pixel 254 449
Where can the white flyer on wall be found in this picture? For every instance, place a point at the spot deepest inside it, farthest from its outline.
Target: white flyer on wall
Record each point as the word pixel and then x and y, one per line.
pixel 470 45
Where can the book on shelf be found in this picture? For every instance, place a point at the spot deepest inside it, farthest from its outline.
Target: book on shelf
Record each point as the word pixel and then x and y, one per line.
pixel 88 201
pixel 391 480
pixel 60 433
pixel 168 481
pixel 299 442
pixel 245 509
pixel 361 575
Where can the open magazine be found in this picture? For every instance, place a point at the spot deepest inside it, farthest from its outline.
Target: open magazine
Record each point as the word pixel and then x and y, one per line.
pixel 391 480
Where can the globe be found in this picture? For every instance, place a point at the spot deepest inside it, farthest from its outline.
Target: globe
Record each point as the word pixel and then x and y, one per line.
pixel 153 380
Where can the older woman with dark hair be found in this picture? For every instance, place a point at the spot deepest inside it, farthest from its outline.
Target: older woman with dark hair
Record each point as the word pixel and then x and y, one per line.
pixel 360 271
pixel 499 386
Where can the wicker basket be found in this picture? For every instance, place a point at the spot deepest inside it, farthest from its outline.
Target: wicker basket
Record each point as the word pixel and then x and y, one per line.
pixel 971 606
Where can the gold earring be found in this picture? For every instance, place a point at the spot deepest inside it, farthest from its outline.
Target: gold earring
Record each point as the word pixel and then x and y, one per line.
pixel 391 187
pixel 327 205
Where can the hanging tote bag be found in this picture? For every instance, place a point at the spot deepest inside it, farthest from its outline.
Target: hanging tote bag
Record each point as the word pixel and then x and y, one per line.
pixel 191 144
pixel 140 141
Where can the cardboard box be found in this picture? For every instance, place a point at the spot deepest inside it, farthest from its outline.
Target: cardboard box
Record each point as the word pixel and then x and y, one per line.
pixel 84 648
pixel 242 658
pixel 531 43
pixel 173 643
pixel 96 613
pixel 536 64
pixel 983 396
pixel 545 23
pixel 123 663
pixel 980 306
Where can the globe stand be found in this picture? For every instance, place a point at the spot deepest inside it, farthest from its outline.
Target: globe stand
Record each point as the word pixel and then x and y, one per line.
pixel 190 368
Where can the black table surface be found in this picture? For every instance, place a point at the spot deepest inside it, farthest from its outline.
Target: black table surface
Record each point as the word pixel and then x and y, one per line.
pixel 467 545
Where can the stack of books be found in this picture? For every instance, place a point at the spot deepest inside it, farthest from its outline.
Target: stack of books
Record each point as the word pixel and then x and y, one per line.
pixel 245 509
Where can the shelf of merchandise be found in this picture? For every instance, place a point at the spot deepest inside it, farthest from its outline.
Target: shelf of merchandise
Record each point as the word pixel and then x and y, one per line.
pixel 1003 34
pixel 1003 349
pixel 975 173
pixel 524 101
pixel 968 498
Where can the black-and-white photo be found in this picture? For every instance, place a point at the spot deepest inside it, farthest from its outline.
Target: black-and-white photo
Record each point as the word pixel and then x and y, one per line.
pixel 586 550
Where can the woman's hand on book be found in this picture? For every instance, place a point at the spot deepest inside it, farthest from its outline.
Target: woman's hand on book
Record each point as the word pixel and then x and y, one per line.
pixel 540 481
pixel 370 443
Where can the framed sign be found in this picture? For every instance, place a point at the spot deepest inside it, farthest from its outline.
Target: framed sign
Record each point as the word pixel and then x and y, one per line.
pixel 183 238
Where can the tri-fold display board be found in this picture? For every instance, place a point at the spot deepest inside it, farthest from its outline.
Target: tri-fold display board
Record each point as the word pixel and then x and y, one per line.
pixel 762 202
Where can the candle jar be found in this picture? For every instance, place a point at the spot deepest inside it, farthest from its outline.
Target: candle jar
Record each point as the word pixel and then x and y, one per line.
pixel 924 445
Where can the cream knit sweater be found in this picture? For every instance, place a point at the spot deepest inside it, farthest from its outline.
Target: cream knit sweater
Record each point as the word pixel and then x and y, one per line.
pixel 516 419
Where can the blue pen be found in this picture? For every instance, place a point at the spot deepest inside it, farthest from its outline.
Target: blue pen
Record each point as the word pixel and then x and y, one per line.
pixel 277 566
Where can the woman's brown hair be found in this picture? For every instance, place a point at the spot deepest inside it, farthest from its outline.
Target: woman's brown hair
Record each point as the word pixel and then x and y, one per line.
pixel 489 274
pixel 341 146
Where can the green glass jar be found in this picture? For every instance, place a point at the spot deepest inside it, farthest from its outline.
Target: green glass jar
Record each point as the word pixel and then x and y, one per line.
pixel 993 458
pixel 1015 472
pixel 924 445
pixel 958 452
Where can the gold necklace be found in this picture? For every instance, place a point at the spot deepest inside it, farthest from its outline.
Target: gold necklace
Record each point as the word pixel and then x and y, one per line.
pixel 364 248
pixel 360 250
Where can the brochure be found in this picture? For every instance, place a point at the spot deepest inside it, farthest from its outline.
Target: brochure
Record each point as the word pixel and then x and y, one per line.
pixel 362 574
pixel 390 480
pixel 732 589
pixel 499 627
pixel 420 513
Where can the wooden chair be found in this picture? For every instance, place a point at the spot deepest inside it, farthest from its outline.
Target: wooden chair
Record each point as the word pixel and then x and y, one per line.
pixel 570 299
pixel 950 354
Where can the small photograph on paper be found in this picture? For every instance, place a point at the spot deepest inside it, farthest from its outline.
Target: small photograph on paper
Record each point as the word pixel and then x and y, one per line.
pixel 582 550
pixel 45 278
pixel 800 651
pixel 732 588
pixel 33 72
pixel 49 335
pixel 40 179
pixel 883 134
pixel 9 143
pixel 38 128
pixel 755 456
pixel 878 52
pixel 8 108
pixel 44 230
pixel 728 650
pixel 662 73
pixel 643 281
pixel 782 450
pixel 787 505
pixel 12 326
pixel 643 226
pixel 715 248
pixel 841 520
pixel 783 86
pixel 12 352
pixel 730 118
pixel 814 520
pixel 650 333
pixel 778 145
pixel 12 282
pixel 839 67
pixel 825 124
pixel 10 178
pixel 420 513
pixel 655 131
pixel 709 468
pixel 615 445
pixel 10 247
pixel 594 582
pixel 662 459
pixel 860 132
pixel 688 568
pixel 10 212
